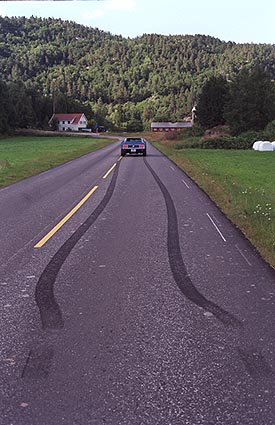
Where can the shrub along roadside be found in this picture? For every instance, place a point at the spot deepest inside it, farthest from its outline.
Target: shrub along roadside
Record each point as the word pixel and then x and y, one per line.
pixel 241 183
pixel 226 142
pixel 195 138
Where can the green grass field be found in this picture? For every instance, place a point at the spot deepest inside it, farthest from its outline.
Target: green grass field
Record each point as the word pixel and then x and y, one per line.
pixel 25 156
pixel 241 182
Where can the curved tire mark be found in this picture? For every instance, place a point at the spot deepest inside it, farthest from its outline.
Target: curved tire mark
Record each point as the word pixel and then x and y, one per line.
pixel 255 363
pixel 177 265
pixel 50 312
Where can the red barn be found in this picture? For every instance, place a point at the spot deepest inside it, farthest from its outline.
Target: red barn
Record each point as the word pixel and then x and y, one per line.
pixel 170 126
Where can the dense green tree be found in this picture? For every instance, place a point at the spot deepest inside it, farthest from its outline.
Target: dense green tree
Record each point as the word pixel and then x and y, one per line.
pixel 22 114
pixel 155 76
pixel 42 107
pixel 251 105
pixel 269 131
pixel 212 101
pixel 134 123
pixel 5 111
pixel 23 107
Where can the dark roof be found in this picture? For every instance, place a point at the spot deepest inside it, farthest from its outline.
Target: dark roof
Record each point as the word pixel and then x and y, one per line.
pixel 182 124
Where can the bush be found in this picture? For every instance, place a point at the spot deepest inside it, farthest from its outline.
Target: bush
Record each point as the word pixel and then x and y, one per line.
pixel 195 131
pixel 269 131
pixel 244 141
pixel 249 137
pixel 171 136
pixel 222 142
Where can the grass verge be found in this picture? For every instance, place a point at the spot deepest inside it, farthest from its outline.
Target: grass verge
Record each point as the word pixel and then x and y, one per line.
pixel 241 183
pixel 25 156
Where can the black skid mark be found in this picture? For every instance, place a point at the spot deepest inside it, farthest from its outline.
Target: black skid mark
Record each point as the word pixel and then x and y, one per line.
pixel 50 312
pixel 38 363
pixel 178 267
pixel 255 363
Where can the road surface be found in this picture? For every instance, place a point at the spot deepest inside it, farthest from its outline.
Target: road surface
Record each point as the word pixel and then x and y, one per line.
pixel 127 297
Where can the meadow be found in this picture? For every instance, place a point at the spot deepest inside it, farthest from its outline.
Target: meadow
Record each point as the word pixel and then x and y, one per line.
pixel 24 156
pixel 241 183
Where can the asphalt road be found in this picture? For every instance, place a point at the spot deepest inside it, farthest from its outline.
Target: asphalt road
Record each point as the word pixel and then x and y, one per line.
pixel 146 306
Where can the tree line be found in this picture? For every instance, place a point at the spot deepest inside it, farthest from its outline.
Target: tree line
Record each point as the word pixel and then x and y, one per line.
pixel 24 107
pixel 245 103
pixel 121 83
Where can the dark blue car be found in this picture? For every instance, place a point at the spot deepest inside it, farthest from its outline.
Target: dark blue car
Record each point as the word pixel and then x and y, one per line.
pixel 133 145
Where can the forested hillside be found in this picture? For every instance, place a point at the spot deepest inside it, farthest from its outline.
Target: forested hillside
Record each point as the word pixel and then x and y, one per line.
pixel 124 81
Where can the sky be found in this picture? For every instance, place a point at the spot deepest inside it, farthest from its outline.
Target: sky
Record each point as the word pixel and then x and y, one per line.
pixel 241 21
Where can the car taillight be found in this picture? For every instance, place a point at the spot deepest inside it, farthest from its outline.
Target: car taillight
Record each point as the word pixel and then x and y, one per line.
pixel 125 146
pixel 141 146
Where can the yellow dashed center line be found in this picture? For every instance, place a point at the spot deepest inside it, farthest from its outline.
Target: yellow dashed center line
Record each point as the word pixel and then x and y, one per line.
pixel 73 211
pixel 109 171
pixel 65 219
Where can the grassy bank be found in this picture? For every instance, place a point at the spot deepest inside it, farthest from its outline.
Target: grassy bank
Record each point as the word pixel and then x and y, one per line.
pixel 25 156
pixel 241 182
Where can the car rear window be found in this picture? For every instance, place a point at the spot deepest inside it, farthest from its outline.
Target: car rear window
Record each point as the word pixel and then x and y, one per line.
pixel 133 140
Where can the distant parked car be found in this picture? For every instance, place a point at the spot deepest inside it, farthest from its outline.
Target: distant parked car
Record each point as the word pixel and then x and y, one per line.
pixel 133 145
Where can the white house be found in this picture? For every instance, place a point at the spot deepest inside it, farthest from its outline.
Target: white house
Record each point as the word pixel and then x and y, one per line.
pixel 73 122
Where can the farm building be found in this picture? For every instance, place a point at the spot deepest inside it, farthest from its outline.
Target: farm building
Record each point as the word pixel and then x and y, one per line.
pixel 170 126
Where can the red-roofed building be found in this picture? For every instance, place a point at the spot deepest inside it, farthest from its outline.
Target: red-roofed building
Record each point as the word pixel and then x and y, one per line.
pixel 170 126
pixel 73 122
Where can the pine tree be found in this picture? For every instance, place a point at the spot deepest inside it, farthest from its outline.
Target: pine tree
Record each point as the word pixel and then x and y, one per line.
pixel 211 102
pixel 252 101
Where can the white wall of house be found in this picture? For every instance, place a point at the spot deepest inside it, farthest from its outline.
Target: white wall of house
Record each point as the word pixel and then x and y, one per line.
pixel 67 125
pixel 64 125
